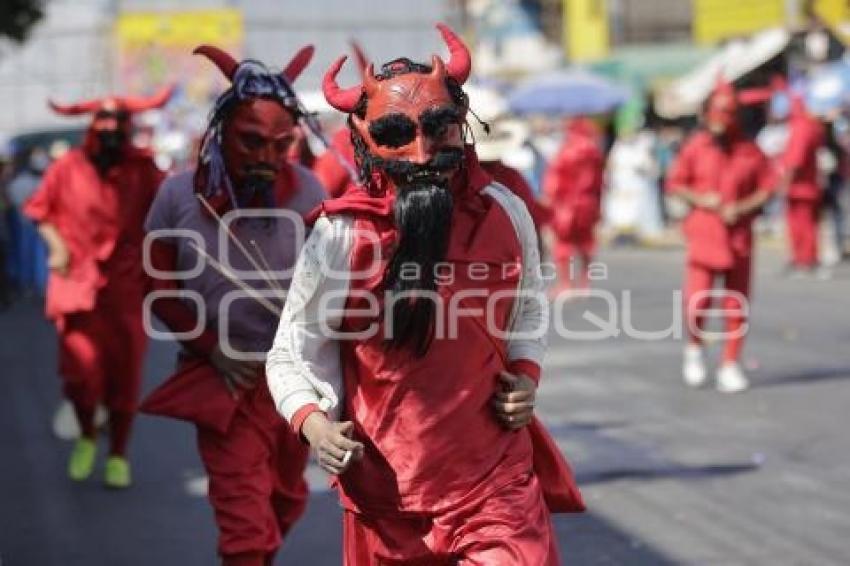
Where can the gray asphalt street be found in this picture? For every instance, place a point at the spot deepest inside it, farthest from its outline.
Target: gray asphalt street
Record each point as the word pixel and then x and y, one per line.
pixel 671 475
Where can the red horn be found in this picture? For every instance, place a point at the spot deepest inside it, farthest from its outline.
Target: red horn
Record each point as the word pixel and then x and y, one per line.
pixel 359 55
pixel 86 107
pixel 342 100
pixel 460 61
pixel 142 103
pixel 438 68
pixel 226 64
pixel 299 61
pixel 370 83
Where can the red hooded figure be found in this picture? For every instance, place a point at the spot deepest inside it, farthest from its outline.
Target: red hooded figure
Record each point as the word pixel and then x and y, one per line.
pixel 416 317
pixel 234 223
pixel 573 188
pixel 726 180
pixel 90 209
pixel 801 186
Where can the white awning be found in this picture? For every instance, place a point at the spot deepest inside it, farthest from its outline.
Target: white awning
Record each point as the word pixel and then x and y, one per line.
pixel 684 96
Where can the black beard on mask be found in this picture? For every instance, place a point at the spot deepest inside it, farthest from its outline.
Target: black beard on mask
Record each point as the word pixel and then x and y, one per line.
pixel 258 181
pixel 404 172
pixel 110 149
pixel 423 212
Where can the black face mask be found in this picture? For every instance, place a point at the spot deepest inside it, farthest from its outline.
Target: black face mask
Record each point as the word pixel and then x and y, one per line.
pixel 110 149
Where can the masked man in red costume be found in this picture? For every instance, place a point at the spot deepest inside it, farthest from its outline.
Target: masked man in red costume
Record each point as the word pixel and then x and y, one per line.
pixel 440 460
pixel 232 227
pixel 726 180
pixel 90 209
pixel 572 188
pixel 800 184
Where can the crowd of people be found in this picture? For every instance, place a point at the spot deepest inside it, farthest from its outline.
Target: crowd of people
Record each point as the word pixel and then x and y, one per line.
pixel 375 387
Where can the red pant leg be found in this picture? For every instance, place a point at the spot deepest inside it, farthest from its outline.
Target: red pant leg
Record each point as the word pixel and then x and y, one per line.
pixel 378 541
pixel 698 283
pixel 802 224
pixel 512 526
pixel 124 352
pixel 256 480
pixel 736 304
pixel 289 498
pixel 81 359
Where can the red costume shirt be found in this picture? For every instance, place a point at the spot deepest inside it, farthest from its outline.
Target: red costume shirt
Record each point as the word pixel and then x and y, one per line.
pixel 806 135
pixel 703 166
pixel 101 221
pixel 573 185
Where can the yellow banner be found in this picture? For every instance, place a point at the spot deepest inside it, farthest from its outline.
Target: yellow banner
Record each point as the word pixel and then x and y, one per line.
pixel 586 29
pixel 715 20
pixel 180 28
pixel 836 13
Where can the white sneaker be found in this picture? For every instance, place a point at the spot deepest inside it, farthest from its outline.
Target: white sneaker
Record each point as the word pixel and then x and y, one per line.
pixel 731 378
pixel 693 369
pixel 65 425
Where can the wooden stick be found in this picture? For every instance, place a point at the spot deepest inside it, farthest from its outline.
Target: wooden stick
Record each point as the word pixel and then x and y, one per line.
pixel 260 255
pixel 253 293
pixel 270 281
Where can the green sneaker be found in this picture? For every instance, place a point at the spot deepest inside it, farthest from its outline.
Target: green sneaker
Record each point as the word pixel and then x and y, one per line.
pixel 117 473
pixel 81 462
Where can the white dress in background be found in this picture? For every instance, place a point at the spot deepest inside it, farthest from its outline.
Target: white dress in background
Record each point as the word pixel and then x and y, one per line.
pixel 631 202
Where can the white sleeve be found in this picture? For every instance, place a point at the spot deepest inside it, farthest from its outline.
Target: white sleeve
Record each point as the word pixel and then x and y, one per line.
pixel 530 316
pixel 303 365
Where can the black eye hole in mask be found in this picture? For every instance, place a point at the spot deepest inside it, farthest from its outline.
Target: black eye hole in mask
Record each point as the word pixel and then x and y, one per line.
pixel 393 130
pixel 436 121
pixel 120 115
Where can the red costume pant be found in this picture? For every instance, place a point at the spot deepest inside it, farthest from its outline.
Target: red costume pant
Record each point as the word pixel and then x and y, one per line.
pixel 101 354
pixel 802 221
pixel 581 244
pixel 256 475
pixel 510 527
pixel 698 298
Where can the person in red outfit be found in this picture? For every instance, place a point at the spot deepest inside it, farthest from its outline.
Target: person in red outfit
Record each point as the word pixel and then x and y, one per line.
pixel 241 208
pixel 800 185
pixel 726 180
pixel 572 188
pixel 90 208
pixel 439 460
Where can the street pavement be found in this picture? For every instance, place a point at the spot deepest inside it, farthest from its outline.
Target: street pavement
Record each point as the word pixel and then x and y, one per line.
pixel 670 475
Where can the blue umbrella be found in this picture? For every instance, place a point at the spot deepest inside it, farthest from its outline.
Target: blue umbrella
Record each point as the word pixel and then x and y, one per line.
pixel 828 88
pixel 567 92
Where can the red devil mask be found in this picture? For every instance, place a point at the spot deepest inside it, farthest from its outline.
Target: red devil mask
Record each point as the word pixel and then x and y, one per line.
pixel 110 124
pixel 721 114
pixel 252 125
pixel 410 113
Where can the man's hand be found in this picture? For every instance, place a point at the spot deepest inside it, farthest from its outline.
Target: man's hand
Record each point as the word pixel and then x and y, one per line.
pixel 730 214
pixel 514 402
pixel 335 450
pixel 58 256
pixel 58 259
pixel 236 374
